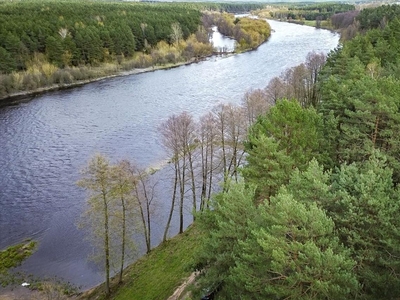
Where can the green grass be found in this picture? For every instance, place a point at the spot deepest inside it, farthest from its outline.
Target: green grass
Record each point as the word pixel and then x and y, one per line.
pixel 309 23
pixel 156 275
pixel 12 257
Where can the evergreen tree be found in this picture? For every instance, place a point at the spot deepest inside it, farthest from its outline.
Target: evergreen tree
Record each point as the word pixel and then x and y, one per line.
pixel 365 209
pixel 292 253
pixel 223 226
pixel 267 167
pixel 7 62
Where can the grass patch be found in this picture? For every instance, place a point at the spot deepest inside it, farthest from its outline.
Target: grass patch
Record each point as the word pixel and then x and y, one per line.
pixel 310 23
pixel 12 257
pixel 156 275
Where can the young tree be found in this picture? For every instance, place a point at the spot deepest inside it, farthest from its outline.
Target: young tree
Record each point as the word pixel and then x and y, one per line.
pixel 98 182
pixel 124 211
pixel 144 192
pixel 111 215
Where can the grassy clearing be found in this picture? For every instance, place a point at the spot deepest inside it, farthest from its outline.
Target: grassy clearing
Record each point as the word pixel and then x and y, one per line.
pixel 13 257
pixel 156 275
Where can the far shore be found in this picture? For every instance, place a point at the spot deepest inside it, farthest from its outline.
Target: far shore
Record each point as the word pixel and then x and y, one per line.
pixel 23 96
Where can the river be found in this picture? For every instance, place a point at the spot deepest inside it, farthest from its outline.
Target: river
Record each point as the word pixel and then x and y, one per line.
pixel 46 141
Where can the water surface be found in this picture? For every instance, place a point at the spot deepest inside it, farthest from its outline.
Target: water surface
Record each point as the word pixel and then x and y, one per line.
pixel 47 141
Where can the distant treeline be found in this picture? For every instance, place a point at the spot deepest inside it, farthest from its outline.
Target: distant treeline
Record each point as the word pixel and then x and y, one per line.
pixel 353 22
pixel 322 11
pixel 47 44
pixel 372 18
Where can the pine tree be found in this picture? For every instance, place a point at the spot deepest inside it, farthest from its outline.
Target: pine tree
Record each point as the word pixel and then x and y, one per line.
pixel 292 253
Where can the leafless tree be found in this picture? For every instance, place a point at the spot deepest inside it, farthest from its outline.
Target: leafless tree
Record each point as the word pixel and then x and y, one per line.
pixel 97 181
pixel 314 63
pixel 207 135
pixel 255 103
pixel 179 139
pixel 276 89
pixel 231 127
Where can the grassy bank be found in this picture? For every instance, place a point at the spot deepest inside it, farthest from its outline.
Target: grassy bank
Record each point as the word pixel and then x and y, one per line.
pixel 156 275
pixel 12 257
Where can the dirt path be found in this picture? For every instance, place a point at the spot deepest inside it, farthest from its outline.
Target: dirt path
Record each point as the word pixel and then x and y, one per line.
pixel 178 292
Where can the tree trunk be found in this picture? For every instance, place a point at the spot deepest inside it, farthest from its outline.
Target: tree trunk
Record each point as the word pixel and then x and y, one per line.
pixel 172 204
pixel 106 244
pixel 123 238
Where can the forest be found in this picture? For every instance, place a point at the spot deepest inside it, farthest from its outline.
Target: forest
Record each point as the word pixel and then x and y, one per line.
pixel 314 214
pixel 303 12
pixel 45 43
pixel 294 193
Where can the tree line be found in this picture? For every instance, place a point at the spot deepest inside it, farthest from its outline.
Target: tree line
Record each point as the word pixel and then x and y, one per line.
pixel 204 155
pixel 57 43
pixel 315 212
pixel 300 12
pixel 74 33
pixel 295 192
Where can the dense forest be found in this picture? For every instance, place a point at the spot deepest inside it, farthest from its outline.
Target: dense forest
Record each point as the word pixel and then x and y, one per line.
pixel 61 42
pixel 73 33
pixel 314 212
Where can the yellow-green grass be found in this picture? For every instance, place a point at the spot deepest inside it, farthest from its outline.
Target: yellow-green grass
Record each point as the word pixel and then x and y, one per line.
pixel 12 257
pixel 156 275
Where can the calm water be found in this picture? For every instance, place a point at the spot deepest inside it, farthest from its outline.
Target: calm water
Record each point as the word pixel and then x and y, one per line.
pixel 46 141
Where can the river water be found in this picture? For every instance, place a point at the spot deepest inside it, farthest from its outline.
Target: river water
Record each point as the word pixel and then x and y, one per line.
pixel 45 142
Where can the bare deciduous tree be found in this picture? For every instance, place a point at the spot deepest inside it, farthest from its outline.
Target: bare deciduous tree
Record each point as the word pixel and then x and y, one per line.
pixel 207 140
pixel 179 139
pixel 255 103
pixel 276 89
pixel 144 191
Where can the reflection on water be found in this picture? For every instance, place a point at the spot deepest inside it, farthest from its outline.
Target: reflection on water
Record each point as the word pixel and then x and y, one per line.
pixel 222 43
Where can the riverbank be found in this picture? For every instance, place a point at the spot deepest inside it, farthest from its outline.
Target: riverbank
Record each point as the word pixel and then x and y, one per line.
pixel 156 275
pixel 22 96
pixel 49 139
pixel 42 76
pixel 12 257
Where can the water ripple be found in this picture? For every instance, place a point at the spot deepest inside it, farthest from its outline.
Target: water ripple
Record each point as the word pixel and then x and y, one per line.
pixel 45 142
